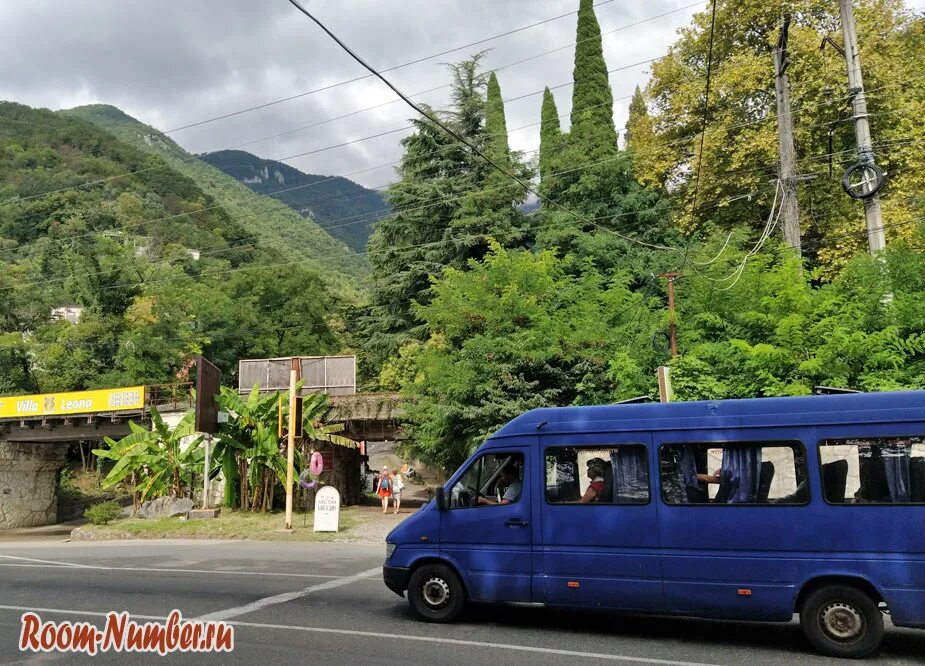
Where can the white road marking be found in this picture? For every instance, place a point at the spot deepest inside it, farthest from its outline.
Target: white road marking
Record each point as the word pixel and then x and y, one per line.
pixel 51 564
pixel 398 637
pixel 59 564
pixel 229 613
pixel 34 609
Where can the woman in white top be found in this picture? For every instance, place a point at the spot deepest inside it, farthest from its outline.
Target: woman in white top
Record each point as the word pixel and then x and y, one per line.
pixel 397 485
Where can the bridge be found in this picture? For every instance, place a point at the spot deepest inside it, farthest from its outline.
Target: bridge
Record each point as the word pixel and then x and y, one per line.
pixel 35 431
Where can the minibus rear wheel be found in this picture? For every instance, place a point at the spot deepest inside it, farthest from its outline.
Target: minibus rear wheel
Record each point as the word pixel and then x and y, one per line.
pixel 435 593
pixel 842 621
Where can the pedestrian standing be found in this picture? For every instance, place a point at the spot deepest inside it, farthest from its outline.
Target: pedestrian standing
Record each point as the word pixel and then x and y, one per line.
pixel 384 488
pixel 397 485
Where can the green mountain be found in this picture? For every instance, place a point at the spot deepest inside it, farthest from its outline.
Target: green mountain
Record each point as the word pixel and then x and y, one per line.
pixel 276 226
pixel 344 209
pixel 120 261
pixel 44 156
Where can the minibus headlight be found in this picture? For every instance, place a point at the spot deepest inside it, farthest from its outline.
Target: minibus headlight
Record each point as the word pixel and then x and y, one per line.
pixel 389 549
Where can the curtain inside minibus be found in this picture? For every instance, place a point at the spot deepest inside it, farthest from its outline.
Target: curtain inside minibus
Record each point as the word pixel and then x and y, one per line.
pixel 740 475
pixel 630 475
pixel 896 456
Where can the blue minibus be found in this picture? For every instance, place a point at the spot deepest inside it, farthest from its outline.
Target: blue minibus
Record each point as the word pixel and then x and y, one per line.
pixel 752 509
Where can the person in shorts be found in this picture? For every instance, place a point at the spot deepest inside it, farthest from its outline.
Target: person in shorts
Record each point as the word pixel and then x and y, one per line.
pixel 384 488
pixel 397 485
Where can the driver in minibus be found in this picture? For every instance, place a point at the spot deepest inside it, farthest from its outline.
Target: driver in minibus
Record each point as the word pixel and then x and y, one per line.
pixel 510 479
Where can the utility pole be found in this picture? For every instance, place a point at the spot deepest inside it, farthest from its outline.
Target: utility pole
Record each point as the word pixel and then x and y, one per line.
pixel 206 467
pixel 294 371
pixel 873 176
pixel 671 277
pixel 789 206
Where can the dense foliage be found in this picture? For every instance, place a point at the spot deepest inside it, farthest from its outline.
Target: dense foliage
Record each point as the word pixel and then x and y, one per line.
pixel 739 158
pixel 161 271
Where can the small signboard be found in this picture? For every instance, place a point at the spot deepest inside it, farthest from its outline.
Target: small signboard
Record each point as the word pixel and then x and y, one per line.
pixel 327 509
pixel 208 386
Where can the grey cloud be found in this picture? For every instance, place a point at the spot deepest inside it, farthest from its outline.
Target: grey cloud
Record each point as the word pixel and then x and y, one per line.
pixel 173 63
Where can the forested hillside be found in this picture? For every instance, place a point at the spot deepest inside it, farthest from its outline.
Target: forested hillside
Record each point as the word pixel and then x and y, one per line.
pixel 344 209
pixel 158 270
pixel 275 224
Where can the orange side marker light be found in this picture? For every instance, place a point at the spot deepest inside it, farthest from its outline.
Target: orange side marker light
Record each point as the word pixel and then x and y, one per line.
pixel 574 583
pixel 744 592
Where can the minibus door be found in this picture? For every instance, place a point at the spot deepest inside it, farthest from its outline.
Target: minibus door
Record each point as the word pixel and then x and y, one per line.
pixel 605 553
pixel 487 529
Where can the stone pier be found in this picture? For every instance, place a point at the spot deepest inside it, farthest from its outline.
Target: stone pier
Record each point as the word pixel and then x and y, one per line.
pixel 29 483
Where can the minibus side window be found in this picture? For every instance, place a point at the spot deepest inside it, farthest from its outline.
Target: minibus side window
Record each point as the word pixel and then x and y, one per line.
pixel 616 474
pixel 493 479
pixel 873 470
pixel 733 473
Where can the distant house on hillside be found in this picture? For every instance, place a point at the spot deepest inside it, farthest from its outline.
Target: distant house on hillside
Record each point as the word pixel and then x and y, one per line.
pixel 69 313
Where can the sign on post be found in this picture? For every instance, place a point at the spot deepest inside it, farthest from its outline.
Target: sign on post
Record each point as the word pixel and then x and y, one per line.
pixel 208 386
pixel 327 509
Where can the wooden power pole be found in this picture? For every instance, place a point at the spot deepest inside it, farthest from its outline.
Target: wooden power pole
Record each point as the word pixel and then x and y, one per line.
pixel 294 372
pixel 876 239
pixel 790 209
pixel 672 326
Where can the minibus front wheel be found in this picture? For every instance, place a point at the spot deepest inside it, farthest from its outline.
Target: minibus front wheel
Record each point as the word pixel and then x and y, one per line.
pixel 435 593
pixel 842 621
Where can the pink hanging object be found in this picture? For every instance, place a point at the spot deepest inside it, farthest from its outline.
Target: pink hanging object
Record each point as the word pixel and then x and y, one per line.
pixel 316 466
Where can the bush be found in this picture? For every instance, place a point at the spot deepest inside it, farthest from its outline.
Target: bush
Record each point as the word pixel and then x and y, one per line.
pixel 102 513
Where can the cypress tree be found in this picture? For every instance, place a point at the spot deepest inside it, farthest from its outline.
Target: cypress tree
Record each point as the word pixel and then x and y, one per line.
pixel 593 132
pixel 638 117
pixel 489 210
pixel 551 139
pixel 496 125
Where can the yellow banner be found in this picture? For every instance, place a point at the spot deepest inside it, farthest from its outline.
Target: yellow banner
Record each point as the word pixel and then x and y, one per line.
pixel 78 402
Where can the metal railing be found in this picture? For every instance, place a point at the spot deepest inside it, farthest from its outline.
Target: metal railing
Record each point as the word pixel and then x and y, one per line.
pixel 169 396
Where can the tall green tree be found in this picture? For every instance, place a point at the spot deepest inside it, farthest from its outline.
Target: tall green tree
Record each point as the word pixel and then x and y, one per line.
pixel 440 197
pixel 551 141
pixel 740 151
pixel 594 204
pixel 489 210
pixel 592 132
pixel 516 331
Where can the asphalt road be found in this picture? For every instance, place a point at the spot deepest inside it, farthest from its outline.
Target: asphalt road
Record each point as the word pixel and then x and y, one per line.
pixel 326 604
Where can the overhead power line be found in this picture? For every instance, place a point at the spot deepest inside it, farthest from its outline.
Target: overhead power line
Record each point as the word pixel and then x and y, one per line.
pixel 388 69
pixel 192 158
pixel 75 343
pixel 458 137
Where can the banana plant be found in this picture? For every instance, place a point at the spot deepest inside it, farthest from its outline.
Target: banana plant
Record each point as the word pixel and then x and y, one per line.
pixel 155 461
pixel 314 408
pixel 248 447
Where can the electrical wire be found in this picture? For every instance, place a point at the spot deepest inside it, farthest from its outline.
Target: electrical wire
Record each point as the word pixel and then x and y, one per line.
pixel 458 137
pixel 706 107
pixel 193 158
pixel 71 344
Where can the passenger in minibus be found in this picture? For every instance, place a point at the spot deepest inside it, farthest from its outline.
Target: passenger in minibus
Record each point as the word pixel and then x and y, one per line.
pixel 597 470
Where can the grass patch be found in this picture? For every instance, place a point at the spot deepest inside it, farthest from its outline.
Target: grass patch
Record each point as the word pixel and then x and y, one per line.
pixel 228 525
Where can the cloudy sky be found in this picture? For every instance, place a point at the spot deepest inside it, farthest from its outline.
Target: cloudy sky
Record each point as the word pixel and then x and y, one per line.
pixel 171 63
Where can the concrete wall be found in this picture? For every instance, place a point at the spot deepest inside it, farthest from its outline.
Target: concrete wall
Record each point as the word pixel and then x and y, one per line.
pixel 29 483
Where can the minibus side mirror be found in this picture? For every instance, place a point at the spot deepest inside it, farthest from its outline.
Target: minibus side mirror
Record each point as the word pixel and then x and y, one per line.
pixel 440 499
